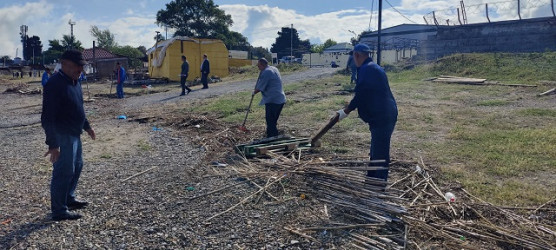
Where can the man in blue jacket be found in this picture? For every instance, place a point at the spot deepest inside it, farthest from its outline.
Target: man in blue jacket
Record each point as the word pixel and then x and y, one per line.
pixel 205 70
pixel 376 106
pixel 121 77
pixel 183 76
pixel 45 76
pixel 63 120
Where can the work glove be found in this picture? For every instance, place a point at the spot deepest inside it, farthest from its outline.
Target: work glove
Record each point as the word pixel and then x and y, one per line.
pixel 342 114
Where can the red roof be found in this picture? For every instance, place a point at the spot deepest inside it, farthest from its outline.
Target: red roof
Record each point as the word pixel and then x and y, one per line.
pixel 100 53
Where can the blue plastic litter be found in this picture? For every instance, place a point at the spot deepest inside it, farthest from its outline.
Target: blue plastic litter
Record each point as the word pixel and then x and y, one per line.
pixel 122 117
pixel 157 129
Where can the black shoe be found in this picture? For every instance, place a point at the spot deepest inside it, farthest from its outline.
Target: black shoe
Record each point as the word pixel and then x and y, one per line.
pixel 77 205
pixel 66 216
pixel 205 87
pixel 182 94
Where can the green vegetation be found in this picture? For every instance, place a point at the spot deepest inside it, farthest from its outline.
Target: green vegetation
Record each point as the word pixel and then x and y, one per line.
pixel 499 142
pixel 143 145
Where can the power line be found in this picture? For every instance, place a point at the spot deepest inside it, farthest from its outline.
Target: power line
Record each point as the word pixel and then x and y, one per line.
pixel 400 12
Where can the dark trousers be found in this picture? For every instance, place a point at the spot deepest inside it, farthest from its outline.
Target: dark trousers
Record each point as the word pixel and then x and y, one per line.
pixel 183 86
pixel 272 113
pixel 381 132
pixel 65 173
pixel 204 80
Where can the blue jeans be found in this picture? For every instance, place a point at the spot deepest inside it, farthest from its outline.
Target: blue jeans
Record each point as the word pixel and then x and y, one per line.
pixel 120 90
pixel 65 173
pixel 272 113
pixel 381 132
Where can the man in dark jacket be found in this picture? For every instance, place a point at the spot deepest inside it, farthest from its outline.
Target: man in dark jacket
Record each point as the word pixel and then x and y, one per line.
pixel 63 119
pixel 376 106
pixel 183 75
pixel 205 70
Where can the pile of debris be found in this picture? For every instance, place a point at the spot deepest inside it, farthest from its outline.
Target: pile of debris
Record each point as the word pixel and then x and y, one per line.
pixel 24 88
pixel 413 211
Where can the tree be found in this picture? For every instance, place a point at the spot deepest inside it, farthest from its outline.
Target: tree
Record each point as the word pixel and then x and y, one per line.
pixel 329 43
pixel 260 52
pixel 33 48
pixel 69 42
pixel 286 38
pixel 317 48
pixel 6 60
pixel 105 38
pixel 54 52
pixel 234 40
pixel 202 19
pixel 134 54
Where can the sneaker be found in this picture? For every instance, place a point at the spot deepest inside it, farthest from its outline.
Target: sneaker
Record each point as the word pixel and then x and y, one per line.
pixel 66 216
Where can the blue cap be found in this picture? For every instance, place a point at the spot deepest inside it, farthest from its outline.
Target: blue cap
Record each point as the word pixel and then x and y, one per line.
pixel 362 48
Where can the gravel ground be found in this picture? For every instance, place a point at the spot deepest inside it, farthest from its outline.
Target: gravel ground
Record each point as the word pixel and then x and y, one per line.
pixel 150 210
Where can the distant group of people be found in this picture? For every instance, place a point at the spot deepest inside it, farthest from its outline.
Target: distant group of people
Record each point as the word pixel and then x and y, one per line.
pixel 63 117
pixel 205 71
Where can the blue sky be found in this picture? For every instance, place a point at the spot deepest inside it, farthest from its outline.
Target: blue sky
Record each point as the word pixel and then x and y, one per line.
pixel 133 21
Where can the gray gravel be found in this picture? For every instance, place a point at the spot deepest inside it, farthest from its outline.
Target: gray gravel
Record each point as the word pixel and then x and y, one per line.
pixel 150 211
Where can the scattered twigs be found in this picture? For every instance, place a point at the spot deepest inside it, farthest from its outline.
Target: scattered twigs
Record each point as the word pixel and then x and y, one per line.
pixel 548 92
pixel 546 203
pixel 342 227
pixel 291 230
pixel 216 191
pixel 135 175
pixel 245 199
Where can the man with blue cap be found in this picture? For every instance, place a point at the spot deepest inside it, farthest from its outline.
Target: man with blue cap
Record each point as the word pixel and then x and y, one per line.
pixel 376 106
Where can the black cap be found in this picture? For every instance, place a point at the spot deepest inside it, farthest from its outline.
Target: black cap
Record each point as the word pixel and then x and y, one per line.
pixel 75 56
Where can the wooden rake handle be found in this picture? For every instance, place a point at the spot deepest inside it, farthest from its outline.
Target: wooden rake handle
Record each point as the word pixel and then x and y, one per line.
pixel 325 129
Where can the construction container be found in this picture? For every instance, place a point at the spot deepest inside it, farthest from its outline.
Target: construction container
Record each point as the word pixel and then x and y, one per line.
pixel 165 57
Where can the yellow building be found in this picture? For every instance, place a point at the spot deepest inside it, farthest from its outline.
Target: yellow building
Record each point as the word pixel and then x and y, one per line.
pixel 165 57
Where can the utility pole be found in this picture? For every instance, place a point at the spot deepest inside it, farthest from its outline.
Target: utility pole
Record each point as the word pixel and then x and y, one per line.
pixel 291 43
pixel 157 32
pixel 72 40
pixel 23 32
pixel 378 52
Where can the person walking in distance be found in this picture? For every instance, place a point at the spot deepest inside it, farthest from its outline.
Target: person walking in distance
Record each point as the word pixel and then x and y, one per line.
pixel 63 120
pixel 269 84
pixel 183 75
pixel 352 67
pixel 205 70
pixel 376 106
pixel 45 76
pixel 121 77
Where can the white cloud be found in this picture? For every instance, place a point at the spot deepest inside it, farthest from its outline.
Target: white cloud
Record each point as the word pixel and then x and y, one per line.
pixel 12 17
pixel 261 23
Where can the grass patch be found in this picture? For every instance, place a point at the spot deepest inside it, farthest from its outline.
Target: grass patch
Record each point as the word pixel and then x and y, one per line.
pixel 143 145
pixel 537 112
pixel 493 103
